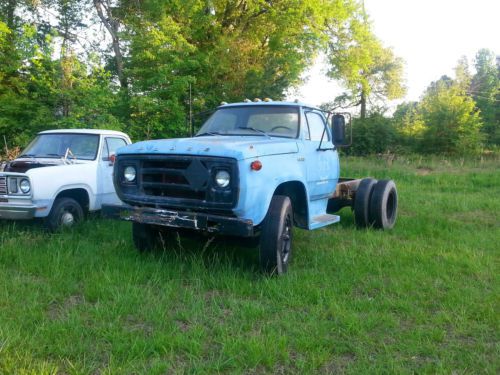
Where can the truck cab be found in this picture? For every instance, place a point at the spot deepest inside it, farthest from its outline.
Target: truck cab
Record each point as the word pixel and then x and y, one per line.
pixel 254 169
pixel 61 175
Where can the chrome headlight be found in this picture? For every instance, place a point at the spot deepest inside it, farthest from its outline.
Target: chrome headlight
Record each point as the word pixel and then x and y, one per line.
pixel 222 178
pixel 25 186
pixel 129 173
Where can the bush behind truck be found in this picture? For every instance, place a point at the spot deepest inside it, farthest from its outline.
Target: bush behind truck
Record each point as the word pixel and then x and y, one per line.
pixel 254 169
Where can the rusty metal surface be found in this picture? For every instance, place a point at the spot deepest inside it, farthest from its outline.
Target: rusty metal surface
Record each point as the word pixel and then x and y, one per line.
pixel 346 188
pixel 176 219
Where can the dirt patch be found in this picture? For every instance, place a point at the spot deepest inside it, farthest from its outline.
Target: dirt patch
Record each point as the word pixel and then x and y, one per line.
pixel 182 325
pixel 59 310
pixel 135 324
pixel 339 364
pixel 424 171
pixel 484 218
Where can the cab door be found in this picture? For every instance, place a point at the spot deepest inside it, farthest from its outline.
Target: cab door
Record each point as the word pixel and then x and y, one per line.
pixel 106 192
pixel 321 157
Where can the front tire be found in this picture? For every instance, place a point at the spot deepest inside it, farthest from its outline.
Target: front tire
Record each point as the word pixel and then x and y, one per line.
pixel 276 237
pixel 65 213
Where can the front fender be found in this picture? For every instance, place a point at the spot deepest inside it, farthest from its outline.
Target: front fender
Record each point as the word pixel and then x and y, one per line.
pixel 257 187
pixel 47 183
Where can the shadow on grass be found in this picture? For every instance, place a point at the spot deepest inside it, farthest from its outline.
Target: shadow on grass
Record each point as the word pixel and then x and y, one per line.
pixel 216 253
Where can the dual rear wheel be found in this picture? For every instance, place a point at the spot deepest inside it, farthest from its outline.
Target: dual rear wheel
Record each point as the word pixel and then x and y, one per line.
pixel 376 204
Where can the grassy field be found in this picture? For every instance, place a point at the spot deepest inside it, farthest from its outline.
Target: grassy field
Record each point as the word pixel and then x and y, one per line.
pixel 423 298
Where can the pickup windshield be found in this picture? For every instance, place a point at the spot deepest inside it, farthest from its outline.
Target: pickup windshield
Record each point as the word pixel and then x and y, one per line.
pixel 56 145
pixel 274 121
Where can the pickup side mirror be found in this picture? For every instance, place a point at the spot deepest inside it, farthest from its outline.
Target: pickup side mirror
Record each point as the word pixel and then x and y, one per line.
pixel 111 159
pixel 338 130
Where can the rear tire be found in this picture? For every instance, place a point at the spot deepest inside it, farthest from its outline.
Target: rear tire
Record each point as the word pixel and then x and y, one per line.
pixel 276 236
pixel 384 205
pixel 65 213
pixel 362 202
pixel 146 237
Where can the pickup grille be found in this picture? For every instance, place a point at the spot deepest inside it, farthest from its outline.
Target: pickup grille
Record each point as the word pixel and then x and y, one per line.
pixel 178 181
pixel 3 185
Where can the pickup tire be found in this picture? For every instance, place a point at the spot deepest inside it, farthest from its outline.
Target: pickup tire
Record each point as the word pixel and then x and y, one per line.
pixel 146 237
pixel 65 213
pixel 362 202
pixel 275 249
pixel 384 205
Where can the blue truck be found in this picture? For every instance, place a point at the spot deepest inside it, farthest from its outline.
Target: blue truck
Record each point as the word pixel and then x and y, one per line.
pixel 254 169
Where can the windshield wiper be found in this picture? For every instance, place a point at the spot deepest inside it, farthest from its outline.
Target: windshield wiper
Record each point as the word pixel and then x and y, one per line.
pixel 56 155
pixel 255 130
pixel 207 133
pixel 26 156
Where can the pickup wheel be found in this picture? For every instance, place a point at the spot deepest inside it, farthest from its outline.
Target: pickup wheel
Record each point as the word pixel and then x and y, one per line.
pixel 362 202
pixel 384 205
pixel 65 213
pixel 276 236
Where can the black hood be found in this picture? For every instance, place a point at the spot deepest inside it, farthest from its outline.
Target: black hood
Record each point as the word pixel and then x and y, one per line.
pixel 21 166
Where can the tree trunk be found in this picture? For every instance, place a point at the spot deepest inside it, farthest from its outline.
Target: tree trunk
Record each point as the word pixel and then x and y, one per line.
pixel 11 8
pixel 103 8
pixel 363 105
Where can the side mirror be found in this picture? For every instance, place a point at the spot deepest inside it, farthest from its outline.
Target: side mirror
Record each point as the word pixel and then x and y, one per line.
pixel 111 159
pixel 338 130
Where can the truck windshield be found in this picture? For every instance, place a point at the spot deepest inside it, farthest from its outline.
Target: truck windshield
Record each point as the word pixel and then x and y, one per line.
pixel 274 121
pixel 56 145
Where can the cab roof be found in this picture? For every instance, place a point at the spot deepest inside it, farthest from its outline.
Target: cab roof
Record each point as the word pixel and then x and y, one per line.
pixel 269 103
pixel 84 131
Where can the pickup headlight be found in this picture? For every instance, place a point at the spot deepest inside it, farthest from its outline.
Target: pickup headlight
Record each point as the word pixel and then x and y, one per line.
pixel 25 186
pixel 129 173
pixel 19 185
pixel 222 178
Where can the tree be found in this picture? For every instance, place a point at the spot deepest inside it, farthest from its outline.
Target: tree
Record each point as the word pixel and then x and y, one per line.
pixel 452 124
pixel 485 89
pixel 370 72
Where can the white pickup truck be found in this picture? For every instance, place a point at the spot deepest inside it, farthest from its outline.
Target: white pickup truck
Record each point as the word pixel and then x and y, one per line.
pixel 60 176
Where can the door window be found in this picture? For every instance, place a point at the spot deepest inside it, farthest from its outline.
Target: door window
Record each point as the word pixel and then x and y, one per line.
pixel 111 145
pixel 316 126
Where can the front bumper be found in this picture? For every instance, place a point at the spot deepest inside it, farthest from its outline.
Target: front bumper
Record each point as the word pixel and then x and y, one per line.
pixel 176 219
pixel 17 212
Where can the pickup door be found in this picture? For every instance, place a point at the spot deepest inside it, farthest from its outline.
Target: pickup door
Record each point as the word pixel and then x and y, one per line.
pixel 107 194
pixel 321 165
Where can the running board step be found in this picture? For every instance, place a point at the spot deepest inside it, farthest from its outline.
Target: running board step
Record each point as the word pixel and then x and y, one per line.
pixel 323 220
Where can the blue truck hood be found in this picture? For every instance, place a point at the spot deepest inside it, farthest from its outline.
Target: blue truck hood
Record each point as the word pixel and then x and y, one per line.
pixel 237 147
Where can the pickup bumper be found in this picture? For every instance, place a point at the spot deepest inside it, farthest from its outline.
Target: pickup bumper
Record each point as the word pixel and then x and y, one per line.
pixel 176 219
pixel 17 212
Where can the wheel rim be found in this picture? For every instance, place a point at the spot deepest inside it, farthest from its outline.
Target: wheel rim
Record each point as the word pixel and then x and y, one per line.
pixel 391 206
pixel 286 240
pixel 67 217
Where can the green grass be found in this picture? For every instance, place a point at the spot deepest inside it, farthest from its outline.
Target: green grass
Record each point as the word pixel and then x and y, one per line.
pixel 422 298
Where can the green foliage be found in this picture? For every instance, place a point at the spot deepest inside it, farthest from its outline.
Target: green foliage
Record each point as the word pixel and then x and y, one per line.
pixel 370 72
pixel 372 135
pixel 485 89
pixel 452 125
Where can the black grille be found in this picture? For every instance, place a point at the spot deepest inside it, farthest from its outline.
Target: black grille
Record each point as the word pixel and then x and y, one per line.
pixel 178 181
pixel 3 185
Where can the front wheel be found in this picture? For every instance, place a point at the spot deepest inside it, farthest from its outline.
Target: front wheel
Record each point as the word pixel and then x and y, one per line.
pixel 276 237
pixel 65 213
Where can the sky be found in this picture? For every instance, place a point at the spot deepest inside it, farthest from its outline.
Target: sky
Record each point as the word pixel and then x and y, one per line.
pixel 430 36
